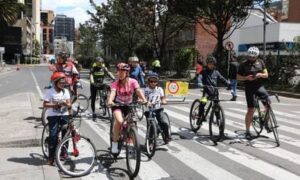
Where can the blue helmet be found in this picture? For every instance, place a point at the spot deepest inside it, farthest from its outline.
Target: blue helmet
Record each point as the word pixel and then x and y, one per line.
pixel 152 74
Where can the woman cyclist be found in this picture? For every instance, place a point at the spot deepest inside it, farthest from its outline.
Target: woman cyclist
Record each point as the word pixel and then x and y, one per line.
pixel 57 100
pixel 122 91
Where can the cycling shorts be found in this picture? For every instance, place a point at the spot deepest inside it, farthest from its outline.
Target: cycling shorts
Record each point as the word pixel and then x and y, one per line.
pixel 252 92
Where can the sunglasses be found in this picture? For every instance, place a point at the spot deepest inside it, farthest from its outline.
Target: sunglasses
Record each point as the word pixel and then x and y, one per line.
pixel 152 81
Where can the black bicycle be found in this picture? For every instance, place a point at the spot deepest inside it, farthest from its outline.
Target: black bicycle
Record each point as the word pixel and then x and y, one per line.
pixel 265 119
pixel 103 91
pixel 153 131
pixel 128 138
pixel 216 118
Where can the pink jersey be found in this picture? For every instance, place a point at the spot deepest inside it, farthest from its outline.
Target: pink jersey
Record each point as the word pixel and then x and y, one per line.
pixel 124 94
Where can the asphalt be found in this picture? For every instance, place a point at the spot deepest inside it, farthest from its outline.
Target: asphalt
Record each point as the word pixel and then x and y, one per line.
pixel 20 132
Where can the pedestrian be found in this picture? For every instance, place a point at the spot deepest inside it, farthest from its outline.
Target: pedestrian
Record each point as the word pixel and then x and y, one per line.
pixel 233 69
pixel 136 71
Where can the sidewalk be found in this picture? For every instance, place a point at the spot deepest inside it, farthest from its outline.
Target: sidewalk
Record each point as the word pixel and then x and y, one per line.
pixel 20 132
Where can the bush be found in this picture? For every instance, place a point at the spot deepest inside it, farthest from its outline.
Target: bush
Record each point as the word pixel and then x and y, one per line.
pixel 183 61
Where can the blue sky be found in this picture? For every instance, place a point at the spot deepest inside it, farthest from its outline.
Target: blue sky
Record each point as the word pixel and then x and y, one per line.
pixel 71 8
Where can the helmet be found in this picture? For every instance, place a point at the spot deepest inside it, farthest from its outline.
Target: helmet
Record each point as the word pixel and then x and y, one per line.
pixel 99 59
pixel 155 63
pixel 123 66
pixel 211 59
pixel 133 59
pixel 152 75
pixel 57 76
pixel 63 55
pixel 253 51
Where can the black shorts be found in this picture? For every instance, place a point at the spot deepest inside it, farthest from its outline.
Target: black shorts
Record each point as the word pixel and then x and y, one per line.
pixel 252 92
pixel 124 109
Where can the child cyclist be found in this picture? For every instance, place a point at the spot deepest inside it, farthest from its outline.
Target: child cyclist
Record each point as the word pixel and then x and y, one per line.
pixel 210 77
pixel 57 100
pixel 155 97
pixel 122 91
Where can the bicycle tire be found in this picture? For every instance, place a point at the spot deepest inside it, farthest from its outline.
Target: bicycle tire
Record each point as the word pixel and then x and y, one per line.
pixel 273 126
pixel 169 125
pixel 219 123
pixel 79 161
pixel 139 111
pixel 194 115
pixel 132 142
pixel 257 125
pixel 44 116
pixel 151 138
pixel 102 105
pixel 82 101
pixel 45 141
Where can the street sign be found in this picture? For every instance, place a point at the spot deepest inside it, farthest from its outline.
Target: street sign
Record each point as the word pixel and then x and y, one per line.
pixel 176 88
pixel 229 45
pixel 2 50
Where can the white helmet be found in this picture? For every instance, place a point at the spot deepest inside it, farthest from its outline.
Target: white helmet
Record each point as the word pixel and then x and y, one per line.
pixel 133 59
pixel 253 51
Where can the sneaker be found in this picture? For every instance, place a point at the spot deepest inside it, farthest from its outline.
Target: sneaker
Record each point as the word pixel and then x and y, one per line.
pixel 167 140
pixel 249 136
pixel 94 116
pixel 268 129
pixel 114 148
pixel 233 98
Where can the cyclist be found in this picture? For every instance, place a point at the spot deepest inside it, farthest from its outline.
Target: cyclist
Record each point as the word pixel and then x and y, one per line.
pixel 253 71
pixel 155 96
pixel 57 100
pixel 122 91
pixel 210 77
pixel 136 71
pixel 97 74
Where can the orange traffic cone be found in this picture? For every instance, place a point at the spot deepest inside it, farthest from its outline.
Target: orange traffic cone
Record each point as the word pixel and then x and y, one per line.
pixel 18 67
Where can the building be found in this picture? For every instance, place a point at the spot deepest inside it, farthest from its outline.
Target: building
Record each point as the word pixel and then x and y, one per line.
pixel 64 27
pixel 285 10
pixel 60 44
pixel 47 26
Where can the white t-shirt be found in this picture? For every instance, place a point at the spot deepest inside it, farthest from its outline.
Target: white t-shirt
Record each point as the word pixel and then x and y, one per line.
pixel 53 96
pixel 154 95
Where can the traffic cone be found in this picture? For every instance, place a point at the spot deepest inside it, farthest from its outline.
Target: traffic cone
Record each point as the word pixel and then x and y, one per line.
pixel 18 67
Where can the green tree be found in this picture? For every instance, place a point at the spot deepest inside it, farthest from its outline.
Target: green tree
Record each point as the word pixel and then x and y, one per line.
pixel 183 60
pixel 9 10
pixel 217 17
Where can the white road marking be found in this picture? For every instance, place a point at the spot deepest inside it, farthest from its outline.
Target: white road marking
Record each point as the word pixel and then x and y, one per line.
pixel 36 84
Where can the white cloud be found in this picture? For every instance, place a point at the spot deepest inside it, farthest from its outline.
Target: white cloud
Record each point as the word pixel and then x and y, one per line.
pixel 71 8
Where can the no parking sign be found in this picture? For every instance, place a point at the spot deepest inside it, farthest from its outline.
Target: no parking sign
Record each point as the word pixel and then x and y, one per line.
pixel 176 88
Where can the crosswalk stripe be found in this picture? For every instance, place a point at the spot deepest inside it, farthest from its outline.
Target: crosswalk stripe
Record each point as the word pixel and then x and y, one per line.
pixel 242 157
pixel 290 156
pixel 282 127
pixel 195 162
pixel 148 170
pixel 293 122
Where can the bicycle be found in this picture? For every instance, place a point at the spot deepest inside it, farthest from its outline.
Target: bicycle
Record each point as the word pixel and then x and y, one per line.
pixel 216 118
pixel 103 93
pixel 153 131
pixel 265 119
pixel 139 109
pixel 75 154
pixel 79 100
pixel 129 139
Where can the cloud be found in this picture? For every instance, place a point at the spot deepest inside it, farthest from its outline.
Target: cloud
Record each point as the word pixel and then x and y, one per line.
pixel 71 8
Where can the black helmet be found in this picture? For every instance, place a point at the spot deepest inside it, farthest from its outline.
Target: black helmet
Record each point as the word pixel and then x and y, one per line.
pixel 63 55
pixel 211 59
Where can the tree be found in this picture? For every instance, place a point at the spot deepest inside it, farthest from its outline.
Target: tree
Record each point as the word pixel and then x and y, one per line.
pixel 9 10
pixel 220 18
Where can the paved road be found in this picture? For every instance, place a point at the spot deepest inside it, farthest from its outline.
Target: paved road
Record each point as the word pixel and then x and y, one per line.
pixel 190 155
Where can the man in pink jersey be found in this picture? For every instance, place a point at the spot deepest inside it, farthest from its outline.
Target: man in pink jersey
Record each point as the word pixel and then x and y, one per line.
pixel 122 91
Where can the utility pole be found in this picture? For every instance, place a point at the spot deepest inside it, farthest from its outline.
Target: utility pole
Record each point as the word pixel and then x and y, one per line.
pixel 264 33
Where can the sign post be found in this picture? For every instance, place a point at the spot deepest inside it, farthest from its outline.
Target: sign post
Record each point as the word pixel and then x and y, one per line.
pixel 2 51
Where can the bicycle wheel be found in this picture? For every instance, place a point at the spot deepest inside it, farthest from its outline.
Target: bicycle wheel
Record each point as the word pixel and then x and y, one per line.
pixel 139 111
pixel 151 138
pixel 102 103
pixel 75 156
pixel 45 141
pixel 44 116
pixel 273 126
pixel 257 124
pixel 194 115
pixel 82 102
pixel 169 125
pixel 216 123
pixel 133 153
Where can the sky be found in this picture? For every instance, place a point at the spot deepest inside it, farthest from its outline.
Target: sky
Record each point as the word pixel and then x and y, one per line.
pixel 71 8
